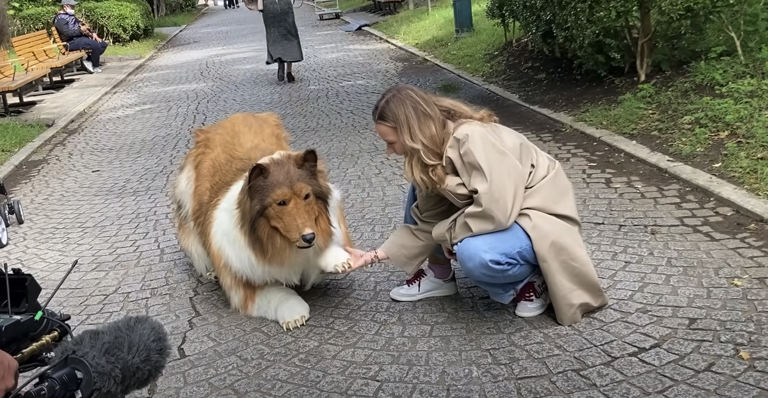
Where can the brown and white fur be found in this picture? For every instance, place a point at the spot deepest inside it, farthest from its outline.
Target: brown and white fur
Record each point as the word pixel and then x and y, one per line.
pixel 259 215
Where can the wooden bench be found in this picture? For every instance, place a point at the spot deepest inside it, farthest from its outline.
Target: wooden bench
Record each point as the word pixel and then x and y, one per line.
pixel 37 48
pixel 18 81
pixel 63 46
pixel 391 6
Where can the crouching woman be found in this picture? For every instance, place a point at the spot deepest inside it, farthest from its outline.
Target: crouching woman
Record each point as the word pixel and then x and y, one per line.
pixel 484 195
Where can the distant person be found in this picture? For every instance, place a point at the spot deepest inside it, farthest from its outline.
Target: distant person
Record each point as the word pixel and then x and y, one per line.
pixel 231 4
pixel 78 36
pixel 283 42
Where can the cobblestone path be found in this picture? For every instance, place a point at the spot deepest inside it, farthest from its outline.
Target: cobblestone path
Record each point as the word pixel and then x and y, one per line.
pixel 666 254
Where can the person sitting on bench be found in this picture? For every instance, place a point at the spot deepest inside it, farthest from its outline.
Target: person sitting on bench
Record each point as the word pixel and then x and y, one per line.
pixel 78 36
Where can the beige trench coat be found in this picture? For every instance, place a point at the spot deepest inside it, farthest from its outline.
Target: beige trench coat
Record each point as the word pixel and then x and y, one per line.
pixel 477 154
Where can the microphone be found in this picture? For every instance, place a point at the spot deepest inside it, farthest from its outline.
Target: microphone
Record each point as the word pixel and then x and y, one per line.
pixel 120 357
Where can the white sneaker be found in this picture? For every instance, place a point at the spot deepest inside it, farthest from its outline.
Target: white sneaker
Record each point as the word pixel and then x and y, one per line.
pixel 88 66
pixel 424 284
pixel 533 297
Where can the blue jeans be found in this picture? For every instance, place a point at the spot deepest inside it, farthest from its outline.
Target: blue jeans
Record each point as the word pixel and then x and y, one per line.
pixel 86 43
pixel 499 262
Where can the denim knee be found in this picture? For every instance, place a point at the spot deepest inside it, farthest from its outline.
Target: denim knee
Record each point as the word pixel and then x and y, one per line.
pixel 497 258
pixel 474 258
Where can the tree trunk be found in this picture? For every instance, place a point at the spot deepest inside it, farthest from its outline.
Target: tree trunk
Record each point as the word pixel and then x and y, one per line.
pixel 5 35
pixel 644 49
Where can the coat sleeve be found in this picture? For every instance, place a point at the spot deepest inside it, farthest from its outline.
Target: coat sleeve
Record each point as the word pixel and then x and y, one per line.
pixel 481 159
pixel 410 245
pixel 67 27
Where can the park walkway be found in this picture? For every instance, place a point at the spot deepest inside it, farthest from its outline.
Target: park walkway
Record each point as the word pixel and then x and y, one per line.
pixel 666 254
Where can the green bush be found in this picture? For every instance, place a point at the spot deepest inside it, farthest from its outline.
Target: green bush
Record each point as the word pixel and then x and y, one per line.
pixel 603 35
pixel 168 7
pixel 32 20
pixel 177 6
pixel 118 21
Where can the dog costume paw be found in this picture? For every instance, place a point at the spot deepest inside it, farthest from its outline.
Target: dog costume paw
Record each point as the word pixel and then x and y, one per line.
pixel 335 260
pixel 293 313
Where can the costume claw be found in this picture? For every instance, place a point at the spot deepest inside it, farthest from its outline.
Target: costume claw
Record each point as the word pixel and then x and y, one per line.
pixel 290 325
pixel 344 267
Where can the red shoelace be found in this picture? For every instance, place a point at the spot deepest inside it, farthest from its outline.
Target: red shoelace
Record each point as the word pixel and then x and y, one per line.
pixel 529 292
pixel 417 277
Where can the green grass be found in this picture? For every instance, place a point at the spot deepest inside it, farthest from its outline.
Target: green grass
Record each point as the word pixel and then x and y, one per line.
pixel 180 19
pixel 344 5
pixel 721 105
pixel 14 135
pixel 448 88
pixel 432 32
pixel 140 48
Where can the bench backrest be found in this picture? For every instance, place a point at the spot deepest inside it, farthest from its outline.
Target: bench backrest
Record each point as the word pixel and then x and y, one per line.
pixel 7 68
pixel 30 46
pixel 57 40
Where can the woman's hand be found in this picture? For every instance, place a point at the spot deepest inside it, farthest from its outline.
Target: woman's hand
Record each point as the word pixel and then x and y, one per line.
pixel 361 258
pixel 9 373
pixel 449 253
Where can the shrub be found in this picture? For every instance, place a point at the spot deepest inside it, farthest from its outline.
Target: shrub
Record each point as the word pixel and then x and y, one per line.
pixel 168 7
pixel 610 35
pixel 32 19
pixel 118 21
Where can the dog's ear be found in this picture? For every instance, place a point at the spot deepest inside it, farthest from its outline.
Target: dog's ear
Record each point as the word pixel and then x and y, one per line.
pixel 308 161
pixel 258 172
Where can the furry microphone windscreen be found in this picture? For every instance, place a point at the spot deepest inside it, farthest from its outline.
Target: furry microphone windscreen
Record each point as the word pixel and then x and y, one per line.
pixel 124 355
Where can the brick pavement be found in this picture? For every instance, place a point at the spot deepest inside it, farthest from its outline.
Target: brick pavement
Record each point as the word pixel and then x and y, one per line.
pixel 665 253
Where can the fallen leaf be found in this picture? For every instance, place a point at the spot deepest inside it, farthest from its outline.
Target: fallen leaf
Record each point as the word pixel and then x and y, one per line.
pixel 717 165
pixel 751 227
pixel 735 282
pixel 744 355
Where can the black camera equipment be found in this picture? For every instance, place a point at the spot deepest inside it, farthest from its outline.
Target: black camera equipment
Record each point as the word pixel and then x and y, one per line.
pixel 28 332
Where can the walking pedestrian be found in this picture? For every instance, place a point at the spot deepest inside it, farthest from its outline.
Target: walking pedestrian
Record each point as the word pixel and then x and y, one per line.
pixel 518 238
pixel 283 42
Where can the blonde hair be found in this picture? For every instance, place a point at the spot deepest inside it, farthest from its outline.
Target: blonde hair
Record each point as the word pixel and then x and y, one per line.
pixel 420 120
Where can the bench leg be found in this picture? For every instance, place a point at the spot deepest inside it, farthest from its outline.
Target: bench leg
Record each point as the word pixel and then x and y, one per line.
pixel 9 109
pixel 39 90
pixel 53 85
pixel 63 79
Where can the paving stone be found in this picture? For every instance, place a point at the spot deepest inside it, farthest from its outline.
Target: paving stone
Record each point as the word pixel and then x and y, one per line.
pixel 738 390
pixel 570 382
pixel 99 192
pixel 621 390
pixel 602 376
pixel 652 382
pixel 697 362
pixel 657 357
pixel 563 363
pixel 676 372
pixel 685 391
pixel 631 366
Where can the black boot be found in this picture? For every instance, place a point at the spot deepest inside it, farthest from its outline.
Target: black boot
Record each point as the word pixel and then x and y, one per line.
pixel 280 71
pixel 290 77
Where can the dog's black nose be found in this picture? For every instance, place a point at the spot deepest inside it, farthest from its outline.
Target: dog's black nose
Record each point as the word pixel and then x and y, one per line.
pixel 308 238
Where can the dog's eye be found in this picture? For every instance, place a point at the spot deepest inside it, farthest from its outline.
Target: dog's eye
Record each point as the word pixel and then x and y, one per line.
pixel 281 203
pixel 306 197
